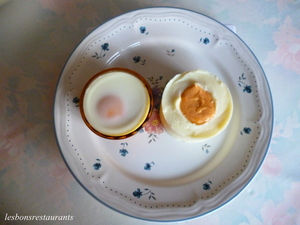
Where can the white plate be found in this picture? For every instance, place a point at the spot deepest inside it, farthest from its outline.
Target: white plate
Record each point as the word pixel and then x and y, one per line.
pixel 151 175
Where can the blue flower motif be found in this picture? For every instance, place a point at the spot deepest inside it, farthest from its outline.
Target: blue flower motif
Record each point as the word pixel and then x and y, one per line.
pixel 246 130
pixel 205 148
pixel 138 193
pixel 76 101
pixel 104 48
pixel 148 166
pixel 247 89
pixel 123 151
pixel 97 165
pixel 138 59
pixel 206 186
pixel 171 53
pixel 205 40
pixel 143 30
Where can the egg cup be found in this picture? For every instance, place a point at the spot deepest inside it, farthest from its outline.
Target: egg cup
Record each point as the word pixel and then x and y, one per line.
pixel 116 103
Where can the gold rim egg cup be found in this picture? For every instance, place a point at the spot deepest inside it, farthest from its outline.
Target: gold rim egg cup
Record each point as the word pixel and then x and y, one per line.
pixel 149 105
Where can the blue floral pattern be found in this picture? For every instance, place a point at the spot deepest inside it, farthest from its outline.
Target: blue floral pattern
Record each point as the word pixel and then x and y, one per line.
pixel 76 101
pixel 247 88
pixel 138 59
pixel 171 52
pixel 152 137
pixel 123 151
pixel 246 130
pixel 204 40
pixel 148 166
pixel 104 48
pixel 97 165
pixel 205 148
pixel 206 186
pixel 138 193
pixel 143 30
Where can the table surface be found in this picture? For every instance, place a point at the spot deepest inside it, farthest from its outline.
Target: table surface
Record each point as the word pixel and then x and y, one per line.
pixel 36 38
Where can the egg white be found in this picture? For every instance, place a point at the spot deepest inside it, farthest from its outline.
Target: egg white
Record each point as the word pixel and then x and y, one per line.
pixel 177 124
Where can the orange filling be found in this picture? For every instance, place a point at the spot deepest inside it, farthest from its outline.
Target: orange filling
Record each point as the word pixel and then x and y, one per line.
pixel 197 105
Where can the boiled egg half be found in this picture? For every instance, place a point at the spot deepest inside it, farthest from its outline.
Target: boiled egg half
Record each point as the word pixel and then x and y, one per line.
pixel 115 103
pixel 196 105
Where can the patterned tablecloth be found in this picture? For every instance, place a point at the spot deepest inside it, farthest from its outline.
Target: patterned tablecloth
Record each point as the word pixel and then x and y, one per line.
pixel 36 38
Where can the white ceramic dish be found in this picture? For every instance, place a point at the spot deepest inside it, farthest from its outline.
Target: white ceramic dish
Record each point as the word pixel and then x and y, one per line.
pixel 151 175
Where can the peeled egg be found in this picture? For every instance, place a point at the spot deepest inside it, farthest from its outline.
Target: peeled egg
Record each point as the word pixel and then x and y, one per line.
pixel 116 102
pixel 196 105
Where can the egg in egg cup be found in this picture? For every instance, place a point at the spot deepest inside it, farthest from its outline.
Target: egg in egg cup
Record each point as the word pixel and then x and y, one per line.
pixel 115 103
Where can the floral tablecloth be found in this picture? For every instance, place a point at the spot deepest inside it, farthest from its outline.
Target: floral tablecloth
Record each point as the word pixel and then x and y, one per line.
pixel 36 38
